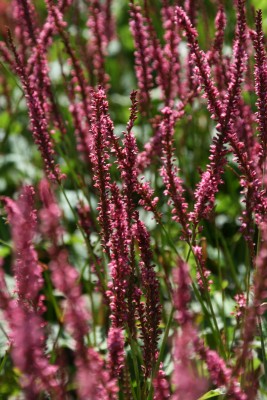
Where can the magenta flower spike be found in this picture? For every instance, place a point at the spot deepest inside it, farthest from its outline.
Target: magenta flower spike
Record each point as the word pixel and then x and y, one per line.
pixel 38 121
pixel 260 84
pixel 215 55
pixel 116 351
pixel 143 55
pixel 171 55
pixel 220 374
pixel 99 39
pixel 151 312
pixel 28 272
pixel 161 386
pixel 185 379
pixel 120 268
pixel 25 315
pixel 169 172
pixel 99 130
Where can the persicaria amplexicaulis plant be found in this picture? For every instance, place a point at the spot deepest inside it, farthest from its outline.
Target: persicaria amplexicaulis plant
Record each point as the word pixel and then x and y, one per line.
pixel 133 227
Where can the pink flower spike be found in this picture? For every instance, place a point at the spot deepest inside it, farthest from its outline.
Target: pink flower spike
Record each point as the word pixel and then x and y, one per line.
pixel 116 351
pixel 39 124
pixel 27 270
pixel 143 54
pixel 261 84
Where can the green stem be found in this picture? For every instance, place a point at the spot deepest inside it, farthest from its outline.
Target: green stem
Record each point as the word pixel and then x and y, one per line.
pixel 231 264
pixel 52 359
pixel 52 297
pixel 5 243
pixel 263 349
pixel 88 244
pixel 208 299
pixel 3 362
pixel 222 290
pixel 134 358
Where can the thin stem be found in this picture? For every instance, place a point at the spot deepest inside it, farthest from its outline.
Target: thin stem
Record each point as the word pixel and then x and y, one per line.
pixel 208 299
pixel 263 349
pixel 135 363
pixel 88 244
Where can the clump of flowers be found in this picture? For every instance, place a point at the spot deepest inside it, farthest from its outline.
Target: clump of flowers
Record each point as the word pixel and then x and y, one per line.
pixel 144 176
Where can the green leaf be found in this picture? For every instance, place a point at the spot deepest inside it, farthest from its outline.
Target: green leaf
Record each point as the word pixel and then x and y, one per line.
pixel 211 393
pixel 4 251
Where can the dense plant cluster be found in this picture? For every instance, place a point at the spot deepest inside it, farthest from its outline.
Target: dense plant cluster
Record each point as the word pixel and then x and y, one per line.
pixel 133 226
